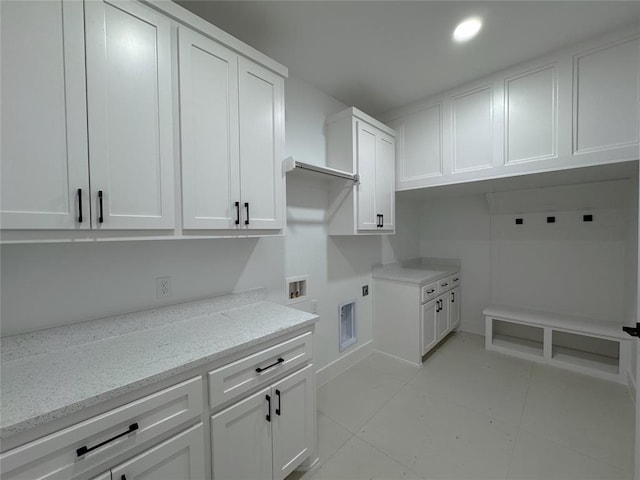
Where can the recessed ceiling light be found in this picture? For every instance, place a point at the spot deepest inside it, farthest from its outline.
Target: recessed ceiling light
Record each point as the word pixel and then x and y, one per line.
pixel 467 29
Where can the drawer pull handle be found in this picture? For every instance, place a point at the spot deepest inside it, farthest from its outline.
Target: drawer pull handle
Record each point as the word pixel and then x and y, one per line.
pixel 268 397
pixel 444 284
pixel 453 297
pixel 456 279
pixel 237 213
pixel 84 450
pixel 279 409
pixel 429 292
pixel 246 205
pixel 277 362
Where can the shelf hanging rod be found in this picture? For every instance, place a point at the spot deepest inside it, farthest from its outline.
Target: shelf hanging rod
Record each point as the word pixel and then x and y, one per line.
pixel 291 164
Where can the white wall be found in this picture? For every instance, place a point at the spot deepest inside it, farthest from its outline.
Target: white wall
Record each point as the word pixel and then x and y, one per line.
pixel 48 285
pixel 571 267
pixel 459 227
pixel 337 267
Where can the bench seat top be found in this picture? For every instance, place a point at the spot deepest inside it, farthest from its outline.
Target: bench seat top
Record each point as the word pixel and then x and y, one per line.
pixel 559 321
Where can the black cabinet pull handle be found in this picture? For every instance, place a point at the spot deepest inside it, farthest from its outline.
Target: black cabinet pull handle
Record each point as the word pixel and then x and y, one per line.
pixel 277 362
pixel 246 205
pixel 268 408
pixel 456 279
pixel 453 297
pixel 381 220
pixel 444 284
pixel 279 409
pixel 101 214
pixel 237 213
pixel 429 292
pixel 83 450
pixel 79 205
pixel 377 220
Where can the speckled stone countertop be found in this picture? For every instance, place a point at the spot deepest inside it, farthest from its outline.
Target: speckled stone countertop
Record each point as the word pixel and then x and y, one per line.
pixel 52 373
pixel 414 271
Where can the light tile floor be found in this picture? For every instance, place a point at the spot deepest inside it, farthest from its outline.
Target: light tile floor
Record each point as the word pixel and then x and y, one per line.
pixel 472 414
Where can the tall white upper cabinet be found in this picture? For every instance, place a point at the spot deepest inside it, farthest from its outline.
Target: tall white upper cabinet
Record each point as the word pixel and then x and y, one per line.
pixel 79 155
pixel 44 165
pixel 130 116
pixel 232 136
pixel 359 143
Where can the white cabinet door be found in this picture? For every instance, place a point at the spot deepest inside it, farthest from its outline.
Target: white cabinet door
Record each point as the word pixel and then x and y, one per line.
pixel 261 98
pixel 454 308
pixel 241 439
pixel 181 457
pixel 385 181
pixel 472 141
pixel 209 133
pixel 419 146
pixel 130 120
pixel 293 418
pixel 44 166
pixel 605 107
pixel 366 145
pixel 429 336
pixel 442 317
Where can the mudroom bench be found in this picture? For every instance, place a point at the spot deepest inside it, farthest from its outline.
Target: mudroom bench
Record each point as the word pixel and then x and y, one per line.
pixel 584 345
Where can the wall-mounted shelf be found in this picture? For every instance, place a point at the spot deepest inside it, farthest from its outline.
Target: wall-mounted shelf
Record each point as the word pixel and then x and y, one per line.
pixel 291 164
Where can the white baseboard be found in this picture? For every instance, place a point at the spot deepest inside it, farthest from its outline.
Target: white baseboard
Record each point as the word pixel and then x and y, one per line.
pixel 398 358
pixel 633 388
pixel 341 364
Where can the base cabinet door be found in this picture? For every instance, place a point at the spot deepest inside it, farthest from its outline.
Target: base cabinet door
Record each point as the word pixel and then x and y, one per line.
pixel 293 421
pixel 454 308
pixel 241 439
pixel 429 314
pixel 442 316
pixel 180 457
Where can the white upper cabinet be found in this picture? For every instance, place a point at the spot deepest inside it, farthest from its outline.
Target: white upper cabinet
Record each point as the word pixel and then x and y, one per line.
pixel 261 98
pixel 209 133
pixel 419 145
pixel 605 109
pixel 95 95
pixel 44 166
pixel 531 116
pixel 232 135
pixel 129 95
pixel 575 108
pixel 472 130
pixel 359 143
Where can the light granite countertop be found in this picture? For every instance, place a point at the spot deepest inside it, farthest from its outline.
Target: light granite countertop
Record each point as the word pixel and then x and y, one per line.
pixel 414 271
pixel 52 373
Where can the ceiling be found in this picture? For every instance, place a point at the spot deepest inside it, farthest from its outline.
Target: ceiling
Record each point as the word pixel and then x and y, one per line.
pixel 379 55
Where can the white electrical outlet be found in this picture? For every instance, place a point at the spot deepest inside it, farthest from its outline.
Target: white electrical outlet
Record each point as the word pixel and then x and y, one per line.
pixel 163 287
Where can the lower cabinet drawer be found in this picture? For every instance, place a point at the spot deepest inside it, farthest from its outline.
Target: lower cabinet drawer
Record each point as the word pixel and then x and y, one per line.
pixel 239 377
pixel 429 291
pixel 81 447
